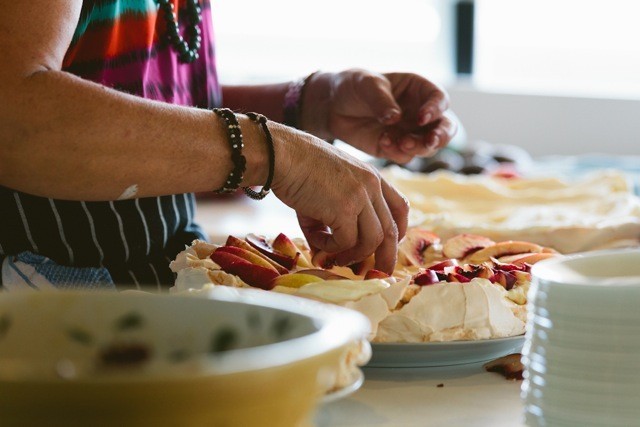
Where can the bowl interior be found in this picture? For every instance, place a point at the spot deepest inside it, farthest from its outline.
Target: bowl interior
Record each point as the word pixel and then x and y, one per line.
pixel 611 267
pixel 68 334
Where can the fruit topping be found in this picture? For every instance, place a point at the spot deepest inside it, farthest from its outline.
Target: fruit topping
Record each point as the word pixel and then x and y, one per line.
pixel 414 248
pixel 375 274
pixel 256 259
pixel 361 268
pixel 463 245
pixel 239 243
pixel 427 277
pixel 295 280
pixel 323 274
pixel 261 244
pixel 323 259
pixel 502 249
pixel 254 275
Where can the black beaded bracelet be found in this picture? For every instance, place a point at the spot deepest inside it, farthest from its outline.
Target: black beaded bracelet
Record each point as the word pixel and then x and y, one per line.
pixel 266 188
pixel 235 141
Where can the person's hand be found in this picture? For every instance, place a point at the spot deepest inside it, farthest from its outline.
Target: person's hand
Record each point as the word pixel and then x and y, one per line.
pixel 344 207
pixel 395 116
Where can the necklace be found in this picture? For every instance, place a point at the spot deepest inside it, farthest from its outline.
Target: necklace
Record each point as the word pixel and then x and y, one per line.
pixel 187 50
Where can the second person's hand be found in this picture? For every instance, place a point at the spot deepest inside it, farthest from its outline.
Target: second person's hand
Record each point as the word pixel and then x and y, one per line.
pixel 395 116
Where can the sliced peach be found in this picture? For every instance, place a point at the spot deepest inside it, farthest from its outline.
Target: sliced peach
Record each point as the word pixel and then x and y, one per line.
pixel 323 259
pixel 375 274
pixel 463 245
pixel 261 244
pixel 425 278
pixel 413 248
pixel 239 243
pixel 295 280
pixel 249 256
pixel 304 261
pixel 457 278
pixel 323 274
pixel 504 278
pixel 362 267
pixel 252 274
pixel 502 249
pixel 533 258
pixel 284 245
pixel 439 266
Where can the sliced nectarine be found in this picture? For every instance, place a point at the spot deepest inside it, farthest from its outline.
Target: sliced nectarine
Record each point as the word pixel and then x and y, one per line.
pixel 252 274
pixel 463 245
pixel 502 249
pixel 239 243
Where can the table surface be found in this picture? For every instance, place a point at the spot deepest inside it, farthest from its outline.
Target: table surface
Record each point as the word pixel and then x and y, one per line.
pixel 397 397
pixel 389 397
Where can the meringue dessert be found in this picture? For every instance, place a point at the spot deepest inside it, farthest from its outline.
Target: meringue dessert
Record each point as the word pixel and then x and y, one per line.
pixel 597 211
pixel 467 287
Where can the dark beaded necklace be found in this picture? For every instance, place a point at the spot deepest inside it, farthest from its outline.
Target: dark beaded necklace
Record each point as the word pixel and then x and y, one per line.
pixel 187 50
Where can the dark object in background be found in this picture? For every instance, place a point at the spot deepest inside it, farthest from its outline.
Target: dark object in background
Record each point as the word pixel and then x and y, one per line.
pixel 464 16
pixel 479 157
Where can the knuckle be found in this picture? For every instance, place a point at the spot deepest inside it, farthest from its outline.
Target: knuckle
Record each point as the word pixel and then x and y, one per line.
pixel 378 238
pixel 391 233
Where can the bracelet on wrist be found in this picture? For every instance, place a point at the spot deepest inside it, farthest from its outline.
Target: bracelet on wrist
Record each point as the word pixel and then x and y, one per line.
pixel 292 107
pixel 266 188
pixel 234 134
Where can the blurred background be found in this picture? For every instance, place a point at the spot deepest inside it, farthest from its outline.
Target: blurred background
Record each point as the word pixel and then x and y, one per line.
pixel 550 76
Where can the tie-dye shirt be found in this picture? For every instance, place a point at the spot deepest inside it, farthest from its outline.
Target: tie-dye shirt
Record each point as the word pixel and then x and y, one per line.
pixel 120 44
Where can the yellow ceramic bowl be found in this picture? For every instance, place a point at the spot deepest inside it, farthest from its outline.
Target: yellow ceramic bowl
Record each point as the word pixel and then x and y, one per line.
pixel 236 358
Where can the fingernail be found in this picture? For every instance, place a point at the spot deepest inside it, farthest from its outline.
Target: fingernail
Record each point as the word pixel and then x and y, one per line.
pixel 435 142
pixel 385 141
pixel 390 115
pixel 409 145
pixel 426 119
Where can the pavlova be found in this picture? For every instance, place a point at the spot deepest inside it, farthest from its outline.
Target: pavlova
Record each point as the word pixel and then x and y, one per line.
pixel 467 287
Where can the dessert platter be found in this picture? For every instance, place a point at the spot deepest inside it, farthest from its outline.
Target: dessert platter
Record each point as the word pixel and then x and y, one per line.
pixel 452 301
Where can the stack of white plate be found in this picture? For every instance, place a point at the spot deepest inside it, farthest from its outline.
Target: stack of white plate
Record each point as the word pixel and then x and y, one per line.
pixel 582 349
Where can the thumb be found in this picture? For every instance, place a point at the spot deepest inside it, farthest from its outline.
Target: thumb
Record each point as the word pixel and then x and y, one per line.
pixel 376 93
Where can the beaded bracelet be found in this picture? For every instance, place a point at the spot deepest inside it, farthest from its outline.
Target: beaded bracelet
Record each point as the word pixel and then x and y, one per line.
pixel 293 101
pixel 266 188
pixel 235 141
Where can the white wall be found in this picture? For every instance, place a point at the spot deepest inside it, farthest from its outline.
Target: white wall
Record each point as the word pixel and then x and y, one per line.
pixel 549 124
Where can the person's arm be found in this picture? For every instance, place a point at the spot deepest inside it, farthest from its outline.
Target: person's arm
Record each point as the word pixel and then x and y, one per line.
pixel 68 138
pixel 395 115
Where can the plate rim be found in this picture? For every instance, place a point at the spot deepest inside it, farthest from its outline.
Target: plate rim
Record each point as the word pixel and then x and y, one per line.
pixel 447 343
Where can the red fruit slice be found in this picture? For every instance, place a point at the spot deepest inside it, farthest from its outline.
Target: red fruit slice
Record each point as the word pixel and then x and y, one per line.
pixel 412 250
pixel 263 247
pixel 457 278
pixel 362 267
pixel 323 259
pixel 239 243
pixel 463 245
pixel 440 266
pixel 285 245
pixel 504 278
pixel 427 277
pixel 375 274
pixel 254 275
pixel 253 258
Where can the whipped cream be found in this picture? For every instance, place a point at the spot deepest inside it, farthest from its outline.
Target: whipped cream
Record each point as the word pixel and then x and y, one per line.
pixel 453 311
pixel 595 212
